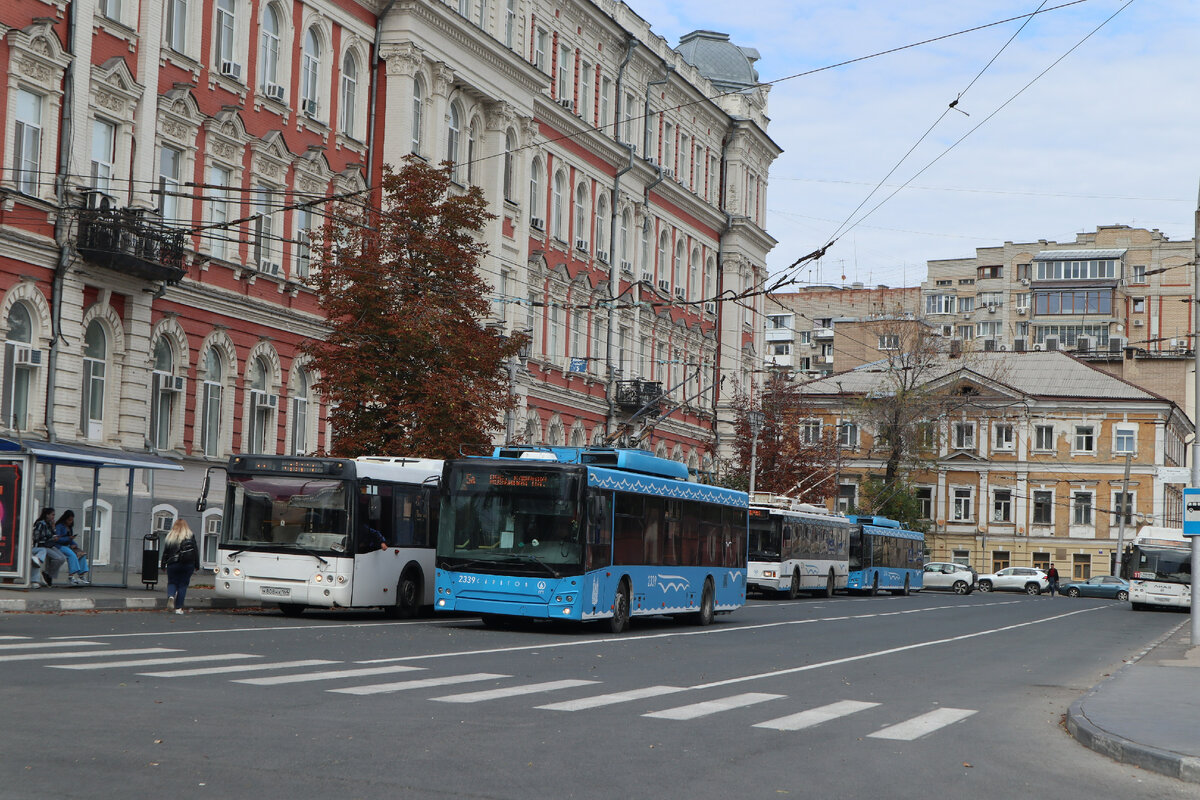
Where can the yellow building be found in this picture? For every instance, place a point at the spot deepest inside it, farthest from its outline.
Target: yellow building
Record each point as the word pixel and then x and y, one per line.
pixel 1024 456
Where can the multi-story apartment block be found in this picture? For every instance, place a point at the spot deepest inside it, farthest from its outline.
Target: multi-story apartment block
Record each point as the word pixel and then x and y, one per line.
pixel 802 327
pixel 1026 462
pixel 160 163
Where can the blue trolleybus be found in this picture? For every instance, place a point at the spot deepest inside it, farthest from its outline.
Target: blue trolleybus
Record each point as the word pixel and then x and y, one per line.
pixel 587 534
pixel 884 555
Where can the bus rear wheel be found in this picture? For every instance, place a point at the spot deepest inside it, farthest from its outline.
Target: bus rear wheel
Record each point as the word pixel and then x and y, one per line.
pixel 794 589
pixel 619 621
pixel 708 608
pixel 408 595
pixel 292 609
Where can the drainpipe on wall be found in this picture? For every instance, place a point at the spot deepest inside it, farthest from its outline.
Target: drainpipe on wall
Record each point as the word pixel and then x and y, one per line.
pixel 614 271
pixel 375 89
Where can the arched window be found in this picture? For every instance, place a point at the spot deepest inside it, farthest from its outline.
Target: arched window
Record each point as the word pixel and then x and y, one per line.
pixel 556 209
pixel 418 106
pixel 269 64
pixel 162 394
pixel 510 144
pixel 472 148
pixel 645 254
pixel 694 274
pixel 298 445
pixel 664 242
pixel 95 353
pixel 259 433
pixel 537 200
pixel 710 276
pixel 626 221
pixel 602 224
pixel 310 72
pixel 578 436
pixel 19 371
pixel 349 93
pixel 677 265
pixel 453 135
pixel 581 203
pixel 210 422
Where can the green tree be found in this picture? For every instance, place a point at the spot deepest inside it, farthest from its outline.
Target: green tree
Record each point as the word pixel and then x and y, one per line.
pixel 408 367
pixel 897 501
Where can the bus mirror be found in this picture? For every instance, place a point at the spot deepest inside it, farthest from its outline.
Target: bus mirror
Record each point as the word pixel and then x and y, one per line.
pixel 202 503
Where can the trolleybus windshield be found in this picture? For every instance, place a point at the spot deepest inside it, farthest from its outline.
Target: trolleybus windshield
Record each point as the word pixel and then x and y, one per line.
pixel 1164 564
pixel 282 513
pixel 515 521
pixel 765 536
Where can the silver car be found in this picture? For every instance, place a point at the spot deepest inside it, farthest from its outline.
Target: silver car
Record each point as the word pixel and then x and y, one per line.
pixel 947 575
pixel 1015 579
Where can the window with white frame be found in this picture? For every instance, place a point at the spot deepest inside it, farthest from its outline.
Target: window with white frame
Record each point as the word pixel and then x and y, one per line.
pixel 1139 273
pixel 962 509
pixel 175 30
pixel 847 498
pixel 1085 439
pixel 889 341
pixel 537 200
pixel 556 206
pixel 1043 507
pixel 561 87
pixel 924 495
pixel 104 154
pixel 605 94
pixel 263 241
pixel 601 235
pixel 1002 505
pixel 585 90
pixel 539 49
pixel 170 182
pixel 224 39
pixel 210 528
pixel 27 142
pixel 18 377
pixel 1043 438
pixel 211 403
pixel 509 178
pixel 1124 440
pixel 96 532
pixel 418 106
pixel 298 444
pixel 810 431
pixel 348 107
pixel 268 66
pixel 95 368
pixel 1081 508
pixel 581 203
pixel 848 435
pixel 111 9
pixel 963 435
pixel 310 73
pixel 260 430
pixel 510 23
pixel 1002 436
pixel 472 145
pixel 1122 503
pixel 304 225
pixel 163 393
pixel 219 236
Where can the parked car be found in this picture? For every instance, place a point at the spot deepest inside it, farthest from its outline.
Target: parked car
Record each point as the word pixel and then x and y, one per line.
pixel 947 575
pixel 1015 579
pixel 1109 586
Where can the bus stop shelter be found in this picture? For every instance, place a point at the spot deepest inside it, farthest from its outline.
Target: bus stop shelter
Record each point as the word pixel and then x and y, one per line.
pixel 20 460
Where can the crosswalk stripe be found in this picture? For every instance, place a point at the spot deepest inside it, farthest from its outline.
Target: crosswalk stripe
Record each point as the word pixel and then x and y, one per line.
pixel 421 683
pixel 697 710
pixel 12 638
pixel 611 699
pixel 815 716
pixel 150 662
pixel 511 691
pixel 921 725
pixel 327 676
pixel 47 645
pixel 187 673
pixel 86 654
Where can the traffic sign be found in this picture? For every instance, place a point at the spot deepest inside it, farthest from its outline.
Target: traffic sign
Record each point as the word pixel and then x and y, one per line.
pixel 1191 511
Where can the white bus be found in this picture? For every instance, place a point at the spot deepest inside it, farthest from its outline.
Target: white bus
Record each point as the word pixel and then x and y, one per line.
pixel 329 532
pixel 1158 566
pixel 796 547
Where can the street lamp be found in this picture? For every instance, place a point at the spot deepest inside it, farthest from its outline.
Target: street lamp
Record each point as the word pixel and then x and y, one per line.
pixel 515 364
pixel 755 418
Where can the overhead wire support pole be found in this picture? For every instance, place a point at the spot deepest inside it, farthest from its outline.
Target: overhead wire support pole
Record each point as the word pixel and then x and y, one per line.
pixel 1195 406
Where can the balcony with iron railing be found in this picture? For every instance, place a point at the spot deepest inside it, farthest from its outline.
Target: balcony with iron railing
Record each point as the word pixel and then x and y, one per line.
pixel 130 241
pixel 634 395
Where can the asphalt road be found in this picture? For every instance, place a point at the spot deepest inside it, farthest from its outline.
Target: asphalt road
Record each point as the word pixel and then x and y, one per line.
pixel 928 696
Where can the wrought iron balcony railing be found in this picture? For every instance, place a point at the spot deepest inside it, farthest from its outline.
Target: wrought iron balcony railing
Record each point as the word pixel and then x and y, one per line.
pixel 129 241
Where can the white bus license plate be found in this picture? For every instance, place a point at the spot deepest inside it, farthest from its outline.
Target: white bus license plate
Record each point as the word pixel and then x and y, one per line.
pixel 276 591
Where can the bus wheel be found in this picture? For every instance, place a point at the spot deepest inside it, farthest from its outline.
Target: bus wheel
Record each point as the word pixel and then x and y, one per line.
pixel 619 621
pixel 906 591
pixel 1138 606
pixel 794 589
pixel 408 596
pixel 292 609
pixel 875 586
pixel 707 606
pixel 830 583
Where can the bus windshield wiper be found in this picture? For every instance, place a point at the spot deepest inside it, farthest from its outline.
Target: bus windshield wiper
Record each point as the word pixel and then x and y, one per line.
pixel 531 558
pixel 314 554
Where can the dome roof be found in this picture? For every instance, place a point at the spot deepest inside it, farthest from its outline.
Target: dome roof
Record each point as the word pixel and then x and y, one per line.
pixel 720 60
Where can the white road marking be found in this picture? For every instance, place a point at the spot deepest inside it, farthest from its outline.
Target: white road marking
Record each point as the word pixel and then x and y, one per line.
pixel 917 727
pixel 263 629
pixel 11 638
pixel 150 662
pixel 422 683
pixel 815 716
pixel 697 710
pixel 87 654
pixel 611 699
pixel 187 673
pixel 511 691
pixel 325 676
pixel 44 645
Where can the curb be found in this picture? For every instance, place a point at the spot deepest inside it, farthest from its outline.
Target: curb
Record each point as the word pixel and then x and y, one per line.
pixel 70 604
pixel 1127 751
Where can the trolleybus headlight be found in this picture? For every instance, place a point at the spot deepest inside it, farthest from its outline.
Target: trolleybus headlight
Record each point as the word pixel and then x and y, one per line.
pixel 442 602
pixel 768 573
pixel 317 578
pixel 237 572
pixel 566 611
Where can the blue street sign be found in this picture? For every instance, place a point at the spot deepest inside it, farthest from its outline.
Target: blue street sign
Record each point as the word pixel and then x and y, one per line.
pixel 1191 512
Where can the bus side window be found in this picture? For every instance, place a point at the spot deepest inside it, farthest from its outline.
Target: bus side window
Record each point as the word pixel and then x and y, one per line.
pixel 375 521
pixel 599 531
pixel 408 520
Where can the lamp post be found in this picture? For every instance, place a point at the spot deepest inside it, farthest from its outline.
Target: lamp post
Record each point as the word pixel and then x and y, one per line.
pixel 515 364
pixel 755 419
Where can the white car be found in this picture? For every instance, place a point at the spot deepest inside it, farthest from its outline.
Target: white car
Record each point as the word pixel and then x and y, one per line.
pixel 948 575
pixel 1015 579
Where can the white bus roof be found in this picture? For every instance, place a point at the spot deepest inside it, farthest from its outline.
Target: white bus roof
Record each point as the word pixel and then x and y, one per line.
pixel 403 470
pixel 1151 533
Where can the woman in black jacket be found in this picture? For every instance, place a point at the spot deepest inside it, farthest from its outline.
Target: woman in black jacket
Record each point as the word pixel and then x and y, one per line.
pixel 180 558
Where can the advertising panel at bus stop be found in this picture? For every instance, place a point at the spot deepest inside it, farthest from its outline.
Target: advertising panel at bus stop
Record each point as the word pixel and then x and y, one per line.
pixel 14 529
pixel 1191 512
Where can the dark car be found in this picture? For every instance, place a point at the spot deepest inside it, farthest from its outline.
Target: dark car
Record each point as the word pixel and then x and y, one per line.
pixel 1108 586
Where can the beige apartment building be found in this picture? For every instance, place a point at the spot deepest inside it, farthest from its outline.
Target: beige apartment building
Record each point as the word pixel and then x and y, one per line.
pixel 1026 458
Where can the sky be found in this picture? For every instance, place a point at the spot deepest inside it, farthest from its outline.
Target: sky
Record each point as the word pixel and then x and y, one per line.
pixel 1108 135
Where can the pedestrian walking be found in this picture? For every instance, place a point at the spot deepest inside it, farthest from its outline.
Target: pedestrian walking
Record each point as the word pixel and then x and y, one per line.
pixel 1052 576
pixel 64 539
pixel 180 558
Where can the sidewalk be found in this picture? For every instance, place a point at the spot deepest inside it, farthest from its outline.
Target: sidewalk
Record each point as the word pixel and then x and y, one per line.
pixel 102 598
pixel 1146 713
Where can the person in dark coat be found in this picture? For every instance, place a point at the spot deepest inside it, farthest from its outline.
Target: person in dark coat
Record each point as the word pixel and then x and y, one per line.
pixel 180 558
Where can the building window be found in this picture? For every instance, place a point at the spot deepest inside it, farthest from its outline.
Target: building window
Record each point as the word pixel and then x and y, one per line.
pixel 510 145
pixel 224 35
pixel 27 145
pixel 585 90
pixel 560 86
pixel 848 435
pixel 170 181
pixel 924 495
pixel 453 136
pixel 310 72
pixel 539 51
pixel 1002 505
pixel 962 506
pixel 1003 436
pixel 1081 503
pixel 162 395
pixel 810 431
pixel 218 196
pixel 1085 439
pixel 847 497
pixel 536 200
pixel 418 100
pixel 1081 566
pixel 210 433
pixel 1139 305
pixel 259 438
pixel 556 206
pixel 1023 271
pixel 966 303
pixel 780 348
pixel 602 225
pixel 111 9
pixel 1041 561
pixel 304 222
pixel 270 47
pixel 349 93
pixel 990 272
pixel 1043 438
pixel 1124 440
pixel 962 557
pixel 966 332
pixel 1123 503
pixel 889 341
pixel 18 378
pixel 95 365
pixel 104 155
pixel 1139 273
pixel 1043 507
pixel 581 202
pixel 1000 560
pixel 263 208
pixel 510 22
pixel 963 434
pixel 176 27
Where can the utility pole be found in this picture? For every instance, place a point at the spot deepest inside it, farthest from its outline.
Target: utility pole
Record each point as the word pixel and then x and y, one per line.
pixel 1124 509
pixel 1195 413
